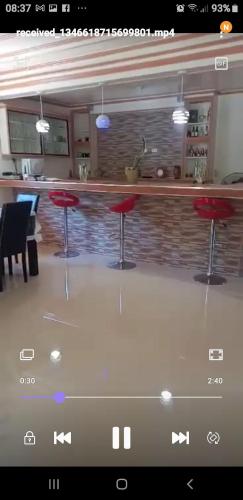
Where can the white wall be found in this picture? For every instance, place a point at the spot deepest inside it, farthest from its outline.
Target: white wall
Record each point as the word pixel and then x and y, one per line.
pixel 81 125
pixel 146 104
pixel 229 136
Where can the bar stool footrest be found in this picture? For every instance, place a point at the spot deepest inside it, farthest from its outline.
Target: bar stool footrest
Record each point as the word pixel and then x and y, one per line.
pixel 121 265
pixel 213 279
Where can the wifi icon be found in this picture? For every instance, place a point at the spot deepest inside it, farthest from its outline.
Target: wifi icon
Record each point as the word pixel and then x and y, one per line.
pixel 192 7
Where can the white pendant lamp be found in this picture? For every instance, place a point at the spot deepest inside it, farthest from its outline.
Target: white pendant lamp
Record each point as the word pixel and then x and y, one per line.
pixel 102 121
pixel 181 114
pixel 42 126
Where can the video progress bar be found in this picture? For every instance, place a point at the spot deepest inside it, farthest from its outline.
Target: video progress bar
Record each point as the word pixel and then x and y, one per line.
pixel 142 397
pixel 60 397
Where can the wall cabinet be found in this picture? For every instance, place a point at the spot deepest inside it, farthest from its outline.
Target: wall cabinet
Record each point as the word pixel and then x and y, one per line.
pixel 19 136
pixel 56 141
pixel 23 135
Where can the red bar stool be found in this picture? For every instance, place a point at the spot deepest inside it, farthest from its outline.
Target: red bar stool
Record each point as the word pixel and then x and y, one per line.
pixel 123 208
pixel 64 200
pixel 213 209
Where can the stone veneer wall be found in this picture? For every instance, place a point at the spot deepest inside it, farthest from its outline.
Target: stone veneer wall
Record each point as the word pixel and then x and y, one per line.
pixel 118 145
pixel 160 230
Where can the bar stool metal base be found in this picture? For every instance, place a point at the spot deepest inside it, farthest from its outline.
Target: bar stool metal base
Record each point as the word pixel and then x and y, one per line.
pixel 213 279
pixel 121 265
pixel 67 255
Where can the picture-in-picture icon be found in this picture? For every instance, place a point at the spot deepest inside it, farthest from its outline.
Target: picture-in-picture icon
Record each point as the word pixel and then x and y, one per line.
pixel 27 355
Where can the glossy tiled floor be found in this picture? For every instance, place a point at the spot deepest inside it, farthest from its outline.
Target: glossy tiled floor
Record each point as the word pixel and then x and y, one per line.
pixel 130 333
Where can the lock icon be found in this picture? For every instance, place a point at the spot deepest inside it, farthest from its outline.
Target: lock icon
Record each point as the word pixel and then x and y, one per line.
pixel 29 438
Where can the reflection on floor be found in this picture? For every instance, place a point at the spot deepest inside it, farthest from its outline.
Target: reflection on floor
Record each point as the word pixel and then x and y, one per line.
pixel 130 333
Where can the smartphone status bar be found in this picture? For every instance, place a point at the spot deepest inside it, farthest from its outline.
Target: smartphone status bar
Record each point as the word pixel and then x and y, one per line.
pixel 181 17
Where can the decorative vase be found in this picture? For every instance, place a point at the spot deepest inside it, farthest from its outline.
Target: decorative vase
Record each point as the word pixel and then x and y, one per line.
pixel 200 169
pixel 131 174
pixel 83 172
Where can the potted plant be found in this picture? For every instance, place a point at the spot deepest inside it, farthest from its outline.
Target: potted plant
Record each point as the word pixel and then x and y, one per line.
pixel 132 172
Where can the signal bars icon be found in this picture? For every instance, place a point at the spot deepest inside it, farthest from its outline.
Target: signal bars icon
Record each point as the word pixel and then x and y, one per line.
pixel 204 9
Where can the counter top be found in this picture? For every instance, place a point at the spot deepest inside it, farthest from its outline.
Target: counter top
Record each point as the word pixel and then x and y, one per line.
pixel 143 187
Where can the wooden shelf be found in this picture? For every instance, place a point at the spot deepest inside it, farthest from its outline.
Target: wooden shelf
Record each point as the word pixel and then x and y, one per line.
pixel 198 123
pixel 81 143
pixel 197 140
pixel 196 157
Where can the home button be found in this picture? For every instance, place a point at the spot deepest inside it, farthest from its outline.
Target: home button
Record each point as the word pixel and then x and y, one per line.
pixel 121 484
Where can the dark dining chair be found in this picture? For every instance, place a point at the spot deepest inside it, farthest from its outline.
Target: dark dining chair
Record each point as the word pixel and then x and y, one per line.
pixel 13 234
pixel 34 198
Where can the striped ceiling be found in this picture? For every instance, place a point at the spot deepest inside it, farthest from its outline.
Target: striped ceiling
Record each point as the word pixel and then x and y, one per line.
pixel 32 65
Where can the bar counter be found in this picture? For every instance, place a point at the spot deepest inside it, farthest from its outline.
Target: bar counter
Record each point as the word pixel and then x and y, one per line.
pixel 163 228
pixel 143 187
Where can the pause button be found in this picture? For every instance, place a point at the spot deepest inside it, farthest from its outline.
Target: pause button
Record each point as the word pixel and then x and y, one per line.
pixel 126 436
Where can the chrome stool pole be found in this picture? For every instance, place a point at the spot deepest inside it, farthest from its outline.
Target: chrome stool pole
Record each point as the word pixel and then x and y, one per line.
pixel 66 253
pixel 210 278
pixel 212 209
pixel 122 208
pixel 122 264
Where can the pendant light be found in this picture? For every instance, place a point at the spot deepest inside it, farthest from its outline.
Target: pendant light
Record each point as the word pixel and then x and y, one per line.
pixel 102 121
pixel 181 114
pixel 42 126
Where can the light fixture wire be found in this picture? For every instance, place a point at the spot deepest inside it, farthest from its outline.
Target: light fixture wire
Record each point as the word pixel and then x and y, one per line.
pixel 181 88
pixel 41 107
pixel 102 100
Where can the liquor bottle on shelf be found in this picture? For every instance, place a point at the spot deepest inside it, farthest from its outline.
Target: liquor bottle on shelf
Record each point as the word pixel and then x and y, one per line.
pixel 206 130
pixel 196 131
pixel 193 131
pixel 189 134
pixel 201 131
